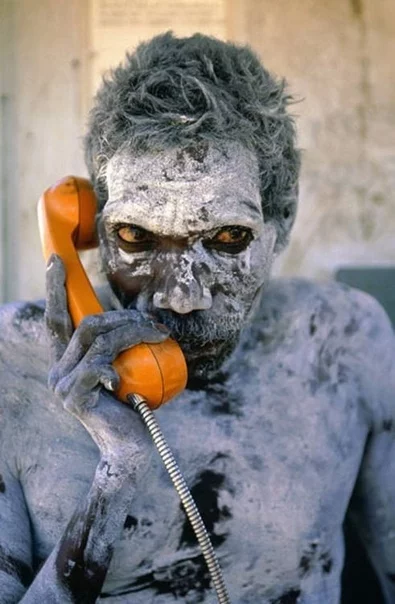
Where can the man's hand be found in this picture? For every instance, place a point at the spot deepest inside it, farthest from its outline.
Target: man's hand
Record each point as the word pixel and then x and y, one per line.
pixel 81 364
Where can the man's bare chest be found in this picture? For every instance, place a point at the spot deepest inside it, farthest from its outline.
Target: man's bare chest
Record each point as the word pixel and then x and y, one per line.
pixel 263 466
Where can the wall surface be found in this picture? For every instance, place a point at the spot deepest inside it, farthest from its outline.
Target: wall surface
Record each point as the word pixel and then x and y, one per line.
pixel 337 56
pixel 338 59
pixel 44 92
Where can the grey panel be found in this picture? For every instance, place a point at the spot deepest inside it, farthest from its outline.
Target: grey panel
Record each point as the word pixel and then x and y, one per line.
pixel 376 281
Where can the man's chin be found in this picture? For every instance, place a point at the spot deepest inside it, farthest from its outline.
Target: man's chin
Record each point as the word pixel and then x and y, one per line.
pixel 205 362
pixel 205 339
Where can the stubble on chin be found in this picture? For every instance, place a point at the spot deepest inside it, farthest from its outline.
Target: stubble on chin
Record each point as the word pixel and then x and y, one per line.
pixel 205 341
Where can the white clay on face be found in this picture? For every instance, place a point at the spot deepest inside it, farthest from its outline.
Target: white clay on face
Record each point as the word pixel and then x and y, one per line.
pixel 176 196
pixel 187 291
pixel 180 198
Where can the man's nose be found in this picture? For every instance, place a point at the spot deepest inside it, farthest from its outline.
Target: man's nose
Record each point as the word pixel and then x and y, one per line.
pixel 182 290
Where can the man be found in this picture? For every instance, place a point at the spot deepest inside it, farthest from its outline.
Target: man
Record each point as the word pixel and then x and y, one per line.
pixel 287 422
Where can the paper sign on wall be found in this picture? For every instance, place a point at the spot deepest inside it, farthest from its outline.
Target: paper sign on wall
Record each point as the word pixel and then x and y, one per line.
pixel 119 25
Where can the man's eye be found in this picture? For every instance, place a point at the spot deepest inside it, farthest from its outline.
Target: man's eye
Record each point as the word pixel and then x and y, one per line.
pixel 134 239
pixel 232 239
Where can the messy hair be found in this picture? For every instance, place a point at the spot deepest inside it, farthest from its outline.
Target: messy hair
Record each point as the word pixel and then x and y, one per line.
pixel 177 92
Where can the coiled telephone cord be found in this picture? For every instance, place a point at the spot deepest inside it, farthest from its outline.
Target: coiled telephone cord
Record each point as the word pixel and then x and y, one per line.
pixel 185 496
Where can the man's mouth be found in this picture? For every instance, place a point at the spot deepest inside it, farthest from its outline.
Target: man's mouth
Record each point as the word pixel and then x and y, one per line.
pixel 206 337
pixel 198 333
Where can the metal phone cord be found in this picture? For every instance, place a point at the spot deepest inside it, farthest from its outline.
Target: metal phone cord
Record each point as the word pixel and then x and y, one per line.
pixel 185 496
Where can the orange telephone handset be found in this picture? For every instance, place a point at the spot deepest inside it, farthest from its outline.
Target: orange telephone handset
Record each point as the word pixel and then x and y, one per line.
pixel 66 216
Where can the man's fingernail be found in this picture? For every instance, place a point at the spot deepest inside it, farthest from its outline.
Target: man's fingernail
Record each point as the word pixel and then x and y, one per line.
pixel 108 385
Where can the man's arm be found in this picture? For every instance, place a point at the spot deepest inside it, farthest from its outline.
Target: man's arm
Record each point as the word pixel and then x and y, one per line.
pixel 372 506
pixel 81 362
pixel 76 569
pixel 16 571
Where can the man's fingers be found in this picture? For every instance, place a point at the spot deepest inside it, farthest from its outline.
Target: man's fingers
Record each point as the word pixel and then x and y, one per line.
pixel 109 378
pixel 108 334
pixel 88 330
pixel 77 361
pixel 110 345
pixel 80 388
pixel 57 318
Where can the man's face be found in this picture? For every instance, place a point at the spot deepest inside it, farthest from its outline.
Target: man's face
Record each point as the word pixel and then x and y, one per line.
pixel 182 236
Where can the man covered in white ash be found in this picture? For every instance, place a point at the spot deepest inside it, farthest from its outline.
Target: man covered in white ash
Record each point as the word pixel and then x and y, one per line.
pixel 287 422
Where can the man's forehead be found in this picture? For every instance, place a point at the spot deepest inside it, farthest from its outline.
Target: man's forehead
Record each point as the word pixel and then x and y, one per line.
pixel 190 163
pixel 201 184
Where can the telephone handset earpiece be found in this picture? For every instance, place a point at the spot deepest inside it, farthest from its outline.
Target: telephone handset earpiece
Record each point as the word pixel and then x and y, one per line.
pixel 66 215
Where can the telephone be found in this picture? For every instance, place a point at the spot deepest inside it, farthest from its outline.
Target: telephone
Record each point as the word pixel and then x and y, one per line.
pixel 66 216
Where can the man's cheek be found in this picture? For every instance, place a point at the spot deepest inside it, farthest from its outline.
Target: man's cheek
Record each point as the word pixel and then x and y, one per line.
pixel 130 283
pixel 240 278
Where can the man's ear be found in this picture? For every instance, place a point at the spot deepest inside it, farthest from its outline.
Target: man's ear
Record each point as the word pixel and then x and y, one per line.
pixel 284 220
pixel 101 191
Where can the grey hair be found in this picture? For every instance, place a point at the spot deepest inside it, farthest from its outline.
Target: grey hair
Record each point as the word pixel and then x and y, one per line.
pixel 179 92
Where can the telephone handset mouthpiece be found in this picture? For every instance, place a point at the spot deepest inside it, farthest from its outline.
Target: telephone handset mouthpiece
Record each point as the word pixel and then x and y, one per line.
pixel 66 216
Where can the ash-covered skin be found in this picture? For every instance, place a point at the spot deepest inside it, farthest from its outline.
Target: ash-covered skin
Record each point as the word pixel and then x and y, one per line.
pixel 289 421
pixel 302 439
pixel 184 198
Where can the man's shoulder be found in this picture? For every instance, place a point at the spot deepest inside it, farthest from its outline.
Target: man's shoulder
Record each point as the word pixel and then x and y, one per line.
pixel 339 325
pixel 323 315
pixel 22 322
pixel 23 352
pixel 330 302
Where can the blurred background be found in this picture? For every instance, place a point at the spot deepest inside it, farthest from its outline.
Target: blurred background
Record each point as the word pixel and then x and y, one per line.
pixel 338 57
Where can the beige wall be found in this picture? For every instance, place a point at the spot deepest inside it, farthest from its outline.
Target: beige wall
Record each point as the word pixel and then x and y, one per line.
pixel 43 87
pixel 336 54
